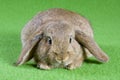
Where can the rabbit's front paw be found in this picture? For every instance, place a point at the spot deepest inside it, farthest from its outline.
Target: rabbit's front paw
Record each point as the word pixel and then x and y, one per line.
pixel 43 66
pixel 70 66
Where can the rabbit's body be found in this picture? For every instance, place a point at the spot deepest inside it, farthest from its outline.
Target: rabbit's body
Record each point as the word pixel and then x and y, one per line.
pixel 54 37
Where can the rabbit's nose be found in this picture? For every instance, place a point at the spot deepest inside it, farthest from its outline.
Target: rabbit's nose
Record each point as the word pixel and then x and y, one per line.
pixel 65 59
pixel 61 59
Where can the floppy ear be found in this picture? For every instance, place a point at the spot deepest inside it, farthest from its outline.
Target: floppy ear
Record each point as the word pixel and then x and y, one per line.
pixel 91 45
pixel 27 51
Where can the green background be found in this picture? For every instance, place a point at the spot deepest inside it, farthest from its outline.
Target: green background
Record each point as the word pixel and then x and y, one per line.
pixel 104 16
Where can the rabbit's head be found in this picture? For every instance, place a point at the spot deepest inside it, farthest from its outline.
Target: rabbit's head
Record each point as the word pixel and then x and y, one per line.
pixel 55 40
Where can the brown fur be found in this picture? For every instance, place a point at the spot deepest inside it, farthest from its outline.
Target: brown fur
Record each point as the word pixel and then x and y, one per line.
pixel 47 38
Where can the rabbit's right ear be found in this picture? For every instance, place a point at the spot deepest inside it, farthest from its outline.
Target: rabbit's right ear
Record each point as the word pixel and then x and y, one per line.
pixel 27 51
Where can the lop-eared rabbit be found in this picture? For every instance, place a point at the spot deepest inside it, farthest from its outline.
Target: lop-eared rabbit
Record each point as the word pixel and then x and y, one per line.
pixel 58 38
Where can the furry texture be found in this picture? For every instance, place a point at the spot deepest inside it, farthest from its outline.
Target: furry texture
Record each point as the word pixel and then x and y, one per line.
pixel 105 19
pixel 54 37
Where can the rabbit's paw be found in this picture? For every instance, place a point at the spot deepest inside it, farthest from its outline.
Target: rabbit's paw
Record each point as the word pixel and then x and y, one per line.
pixel 43 66
pixel 70 67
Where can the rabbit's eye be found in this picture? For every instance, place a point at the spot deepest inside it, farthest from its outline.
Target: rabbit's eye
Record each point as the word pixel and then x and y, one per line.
pixel 70 40
pixel 49 40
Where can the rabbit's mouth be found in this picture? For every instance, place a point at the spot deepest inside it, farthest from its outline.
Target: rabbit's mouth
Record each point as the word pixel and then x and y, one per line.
pixel 61 63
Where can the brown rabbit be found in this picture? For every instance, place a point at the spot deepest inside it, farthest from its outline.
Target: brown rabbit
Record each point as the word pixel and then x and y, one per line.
pixel 58 38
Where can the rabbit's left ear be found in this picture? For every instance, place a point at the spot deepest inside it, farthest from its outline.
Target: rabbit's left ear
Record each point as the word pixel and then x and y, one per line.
pixel 91 45
pixel 27 51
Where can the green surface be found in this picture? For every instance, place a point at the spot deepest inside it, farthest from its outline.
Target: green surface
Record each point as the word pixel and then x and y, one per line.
pixel 104 16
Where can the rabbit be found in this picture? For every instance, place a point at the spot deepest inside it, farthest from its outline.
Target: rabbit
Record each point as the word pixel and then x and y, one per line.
pixel 59 38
